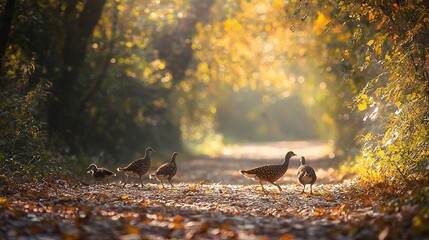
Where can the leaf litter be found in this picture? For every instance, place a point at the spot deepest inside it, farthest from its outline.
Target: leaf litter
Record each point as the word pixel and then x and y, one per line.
pixel 196 209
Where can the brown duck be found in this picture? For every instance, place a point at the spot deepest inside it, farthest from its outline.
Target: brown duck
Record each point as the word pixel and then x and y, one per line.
pixel 306 175
pixel 269 173
pixel 138 167
pixel 166 171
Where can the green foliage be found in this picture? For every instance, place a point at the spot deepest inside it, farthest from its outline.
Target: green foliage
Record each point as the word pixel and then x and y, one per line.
pixel 161 73
pixel 245 76
pixel 24 151
pixel 395 101
pixel 374 55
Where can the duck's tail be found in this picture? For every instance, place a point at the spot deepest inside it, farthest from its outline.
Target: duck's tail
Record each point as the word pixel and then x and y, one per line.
pixel 247 174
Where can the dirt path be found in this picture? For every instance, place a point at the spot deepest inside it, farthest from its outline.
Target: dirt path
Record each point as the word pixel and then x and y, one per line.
pixel 224 169
pixel 210 201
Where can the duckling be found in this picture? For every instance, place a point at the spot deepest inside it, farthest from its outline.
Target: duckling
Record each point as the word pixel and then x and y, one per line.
pixel 306 175
pixel 100 174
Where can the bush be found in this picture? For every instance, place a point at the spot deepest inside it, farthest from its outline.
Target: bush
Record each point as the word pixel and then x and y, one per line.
pixel 24 142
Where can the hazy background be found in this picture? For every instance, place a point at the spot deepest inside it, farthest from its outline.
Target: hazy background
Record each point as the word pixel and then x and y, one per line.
pixel 102 80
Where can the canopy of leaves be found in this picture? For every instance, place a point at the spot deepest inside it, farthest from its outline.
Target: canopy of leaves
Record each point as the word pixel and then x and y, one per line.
pixel 108 78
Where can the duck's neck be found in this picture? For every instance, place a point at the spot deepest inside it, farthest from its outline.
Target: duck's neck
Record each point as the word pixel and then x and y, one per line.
pixel 286 162
pixel 173 159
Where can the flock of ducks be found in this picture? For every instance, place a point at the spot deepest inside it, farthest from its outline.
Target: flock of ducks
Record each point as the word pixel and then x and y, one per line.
pixel 268 173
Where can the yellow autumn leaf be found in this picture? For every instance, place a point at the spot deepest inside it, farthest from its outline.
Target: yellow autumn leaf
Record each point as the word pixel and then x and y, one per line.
pixel 370 42
pixel 346 53
pixel 378 49
pixel 320 23
pixel 124 197
pixel 161 65
pixel 120 8
pixel 362 106
pixel 129 44
pixel 231 24
pixel 387 57
pixel 380 153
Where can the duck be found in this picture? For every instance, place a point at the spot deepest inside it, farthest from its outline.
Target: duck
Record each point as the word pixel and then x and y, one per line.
pixel 269 173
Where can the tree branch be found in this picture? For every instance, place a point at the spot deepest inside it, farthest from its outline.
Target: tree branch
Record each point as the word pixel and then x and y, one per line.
pixel 100 78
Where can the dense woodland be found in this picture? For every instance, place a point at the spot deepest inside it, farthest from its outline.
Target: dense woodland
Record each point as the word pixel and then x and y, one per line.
pixel 106 78
pixel 99 81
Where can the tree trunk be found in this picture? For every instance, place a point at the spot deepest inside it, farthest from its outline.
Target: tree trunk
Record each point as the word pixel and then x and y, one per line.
pixel 175 48
pixel 77 34
pixel 6 24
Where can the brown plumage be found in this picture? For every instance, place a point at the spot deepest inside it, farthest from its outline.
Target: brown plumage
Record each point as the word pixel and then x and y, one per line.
pixel 138 167
pixel 269 173
pixel 306 175
pixel 166 171
pixel 100 174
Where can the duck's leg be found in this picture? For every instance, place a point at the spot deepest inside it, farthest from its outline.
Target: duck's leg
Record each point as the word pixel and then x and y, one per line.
pixel 303 189
pixel 126 180
pixel 170 183
pixel 280 189
pixel 263 189
pixel 311 188
pixel 141 182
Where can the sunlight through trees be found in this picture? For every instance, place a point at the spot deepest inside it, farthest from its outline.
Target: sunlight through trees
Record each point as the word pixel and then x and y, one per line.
pixel 107 78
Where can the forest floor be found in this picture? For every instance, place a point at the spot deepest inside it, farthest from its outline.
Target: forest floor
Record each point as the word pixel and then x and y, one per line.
pixel 211 200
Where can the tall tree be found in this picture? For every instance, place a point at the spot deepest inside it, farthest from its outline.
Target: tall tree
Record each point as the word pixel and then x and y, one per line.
pixel 175 48
pixel 6 24
pixel 78 28
pixel 175 44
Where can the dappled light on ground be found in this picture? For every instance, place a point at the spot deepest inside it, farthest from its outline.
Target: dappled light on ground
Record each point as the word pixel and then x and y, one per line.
pixel 62 209
pixel 210 200
pixel 311 149
pixel 189 211
pixel 224 168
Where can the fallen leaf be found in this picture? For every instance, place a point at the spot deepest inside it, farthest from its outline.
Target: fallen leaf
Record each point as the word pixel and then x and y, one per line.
pixel 330 198
pixel 3 200
pixel 177 219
